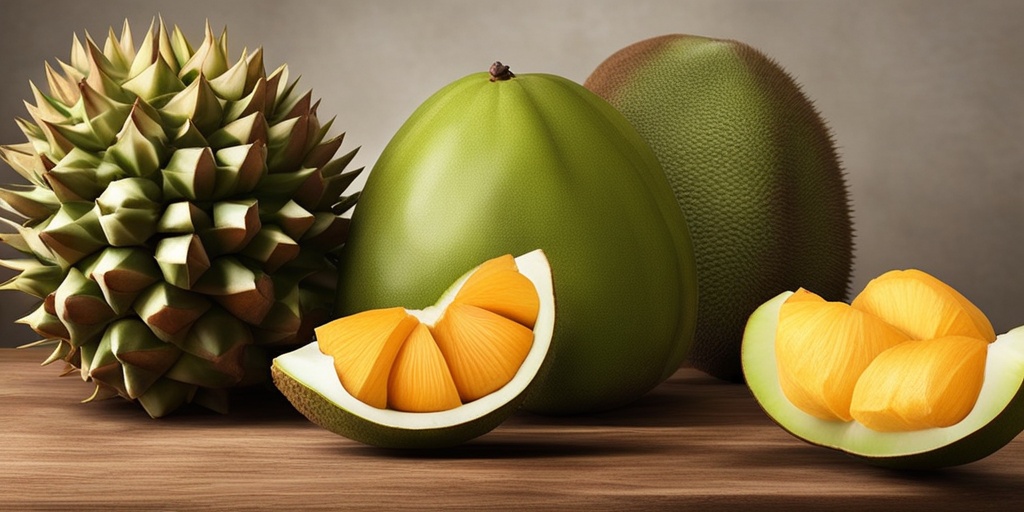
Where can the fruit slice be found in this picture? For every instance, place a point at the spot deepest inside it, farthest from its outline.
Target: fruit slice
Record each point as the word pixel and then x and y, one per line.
pixel 364 347
pixel 822 348
pixel 429 378
pixel 937 386
pixel 922 306
pixel 480 368
pixel 919 404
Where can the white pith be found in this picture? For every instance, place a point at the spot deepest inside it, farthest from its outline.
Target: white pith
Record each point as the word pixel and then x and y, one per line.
pixel 315 370
pixel 1004 373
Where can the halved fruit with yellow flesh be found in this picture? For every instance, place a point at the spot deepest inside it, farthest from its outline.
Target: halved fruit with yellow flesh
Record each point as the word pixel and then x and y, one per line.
pixel 435 377
pixel 910 375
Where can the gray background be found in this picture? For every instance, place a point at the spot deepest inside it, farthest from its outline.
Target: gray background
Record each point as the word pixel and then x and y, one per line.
pixel 925 98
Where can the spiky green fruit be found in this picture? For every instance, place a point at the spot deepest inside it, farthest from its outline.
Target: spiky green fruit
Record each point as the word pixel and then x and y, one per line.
pixel 754 169
pixel 181 217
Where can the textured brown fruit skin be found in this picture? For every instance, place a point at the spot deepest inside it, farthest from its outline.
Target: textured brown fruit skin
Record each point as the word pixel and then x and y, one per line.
pixel 754 169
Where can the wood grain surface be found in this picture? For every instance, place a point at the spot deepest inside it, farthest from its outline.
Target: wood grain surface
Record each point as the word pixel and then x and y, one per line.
pixel 692 443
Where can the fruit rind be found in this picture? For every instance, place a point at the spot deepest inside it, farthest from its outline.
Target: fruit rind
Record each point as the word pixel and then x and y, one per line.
pixel 307 377
pixel 996 419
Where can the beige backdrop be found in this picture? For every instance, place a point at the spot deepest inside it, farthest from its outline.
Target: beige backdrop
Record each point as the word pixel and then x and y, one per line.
pixel 926 98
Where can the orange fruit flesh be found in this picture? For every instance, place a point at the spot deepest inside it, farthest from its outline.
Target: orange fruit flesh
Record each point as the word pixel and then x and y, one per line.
pixel 420 380
pixel 822 348
pixel 388 359
pixel 908 354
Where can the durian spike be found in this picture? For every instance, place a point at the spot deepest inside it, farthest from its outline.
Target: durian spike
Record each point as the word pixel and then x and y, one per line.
pixel 164 48
pixel 198 103
pixel 74 232
pixel 235 223
pixel 231 84
pixel 79 57
pixel 272 248
pixel 183 51
pixel 24 161
pixel 127 43
pixel 256 71
pixel 154 81
pixel 166 395
pixel 169 311
pixel 286 146
pixel 247 130
pixel 80 306
pixel 36 136
pixel 102 392
pixel 46 109
pixel 327 233
pixel 293 219
pixel 145 357
pixel 102 75
pixel 29 201
pixel 104 368
pixel 346 202
pixel 73 77
pixel 320 154
pixel 251 104
pixel 240 169
pixel 182 259
pixel 334 187
pixel 129 211
pixel 209 60
pixel 184 217
pixel 26 239
pixel 148 52
pixel 60 351
pixel 190 174
pixel 36 278
pixel 245 293
pixel 188 136
pixel 122 274
pixel 140 145
pixel 113 51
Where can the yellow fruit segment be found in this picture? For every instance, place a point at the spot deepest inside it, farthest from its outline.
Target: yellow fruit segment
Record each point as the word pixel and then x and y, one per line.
pixel 802 295
pixel 483 350
pixel 909 353
pixel 364 346
pixel 388 359
pixel 821 348
pixel 921 384
pixel 923 306
pixel 498 287
pixel 420 380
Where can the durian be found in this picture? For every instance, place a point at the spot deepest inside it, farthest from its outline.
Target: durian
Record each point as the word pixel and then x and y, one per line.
pixel 181 219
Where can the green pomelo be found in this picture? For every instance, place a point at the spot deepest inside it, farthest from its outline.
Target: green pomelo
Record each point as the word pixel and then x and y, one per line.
pixel 753 166
pixel 484 168
pixel 308 378
pixel 997 417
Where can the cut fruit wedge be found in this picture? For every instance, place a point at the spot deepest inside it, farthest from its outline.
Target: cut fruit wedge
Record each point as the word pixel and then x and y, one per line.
pixel 938 393
pixel 434 377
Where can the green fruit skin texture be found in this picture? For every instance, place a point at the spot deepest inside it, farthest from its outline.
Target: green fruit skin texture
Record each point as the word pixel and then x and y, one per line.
pixel 487 168
pixel 754 169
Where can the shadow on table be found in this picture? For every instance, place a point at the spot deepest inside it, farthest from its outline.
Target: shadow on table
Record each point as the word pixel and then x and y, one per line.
pixel 689 399
pixel 984 482
pixel 495 446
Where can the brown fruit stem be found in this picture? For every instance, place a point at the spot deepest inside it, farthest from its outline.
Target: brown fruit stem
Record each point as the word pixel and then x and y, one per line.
pixel 500 71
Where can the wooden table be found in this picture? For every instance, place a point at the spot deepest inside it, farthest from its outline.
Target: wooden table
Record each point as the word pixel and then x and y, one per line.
pixel 694 443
